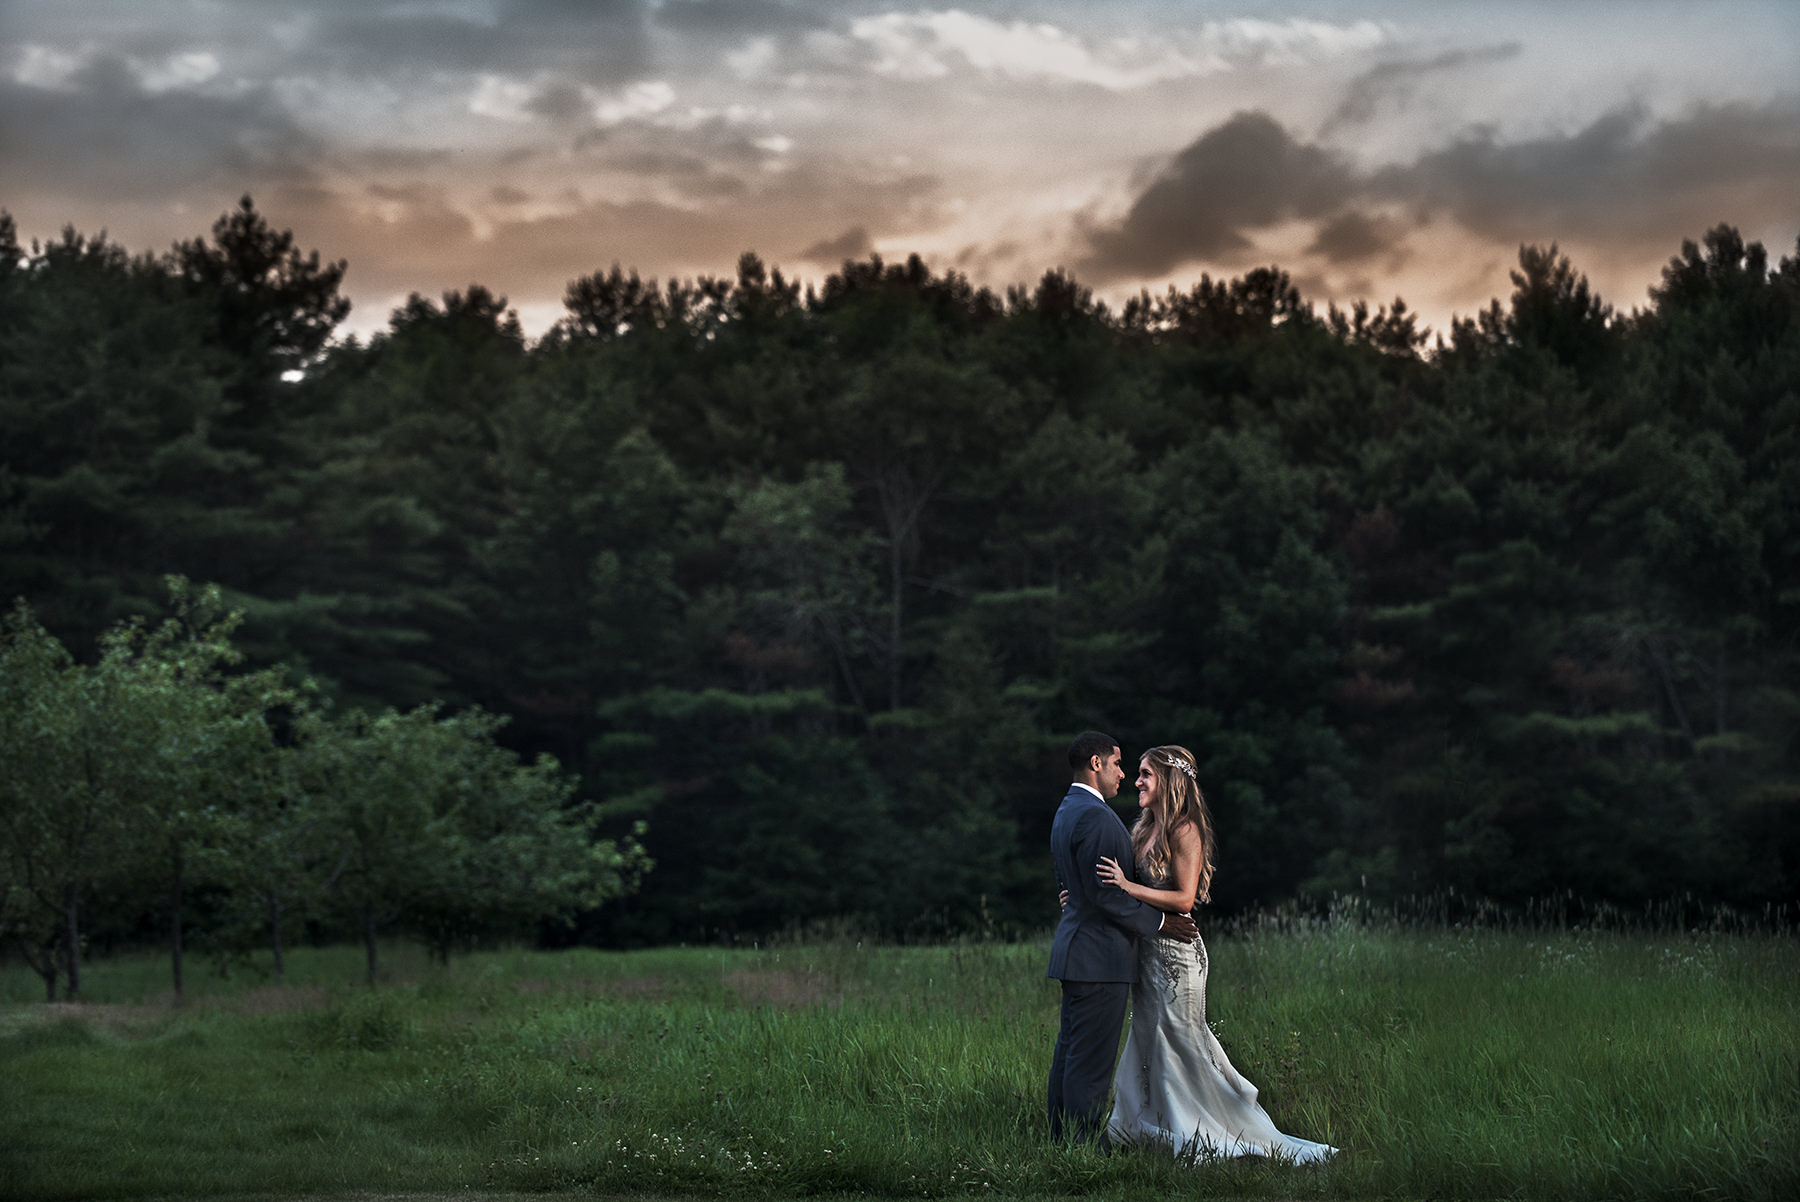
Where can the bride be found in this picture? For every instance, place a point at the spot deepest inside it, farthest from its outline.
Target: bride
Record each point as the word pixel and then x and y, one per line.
pixel 1174 1085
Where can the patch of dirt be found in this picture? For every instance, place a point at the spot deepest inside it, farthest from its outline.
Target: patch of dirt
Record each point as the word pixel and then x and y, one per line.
pixel 783 987
pixel 109 1017
pixel 648 988
pixel 272 999
pixel 119 1018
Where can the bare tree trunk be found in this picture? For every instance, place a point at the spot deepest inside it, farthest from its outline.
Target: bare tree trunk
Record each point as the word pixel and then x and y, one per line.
pixel 44 959
pixel 1668 683
pixel 896 556
pixel 902 502
pixel 1719 689
pixel 43 962
pixel 275 939
pixel 72 936
pixel 843 662
pixel 369 943
pixel 175 931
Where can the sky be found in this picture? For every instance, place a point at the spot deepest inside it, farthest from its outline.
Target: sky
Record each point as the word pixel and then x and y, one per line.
pixel 1371 149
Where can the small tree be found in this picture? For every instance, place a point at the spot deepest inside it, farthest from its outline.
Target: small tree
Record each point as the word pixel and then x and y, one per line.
pixel 526 851
pixel 194 738
pixel 281 857
pixel 61 796
pixel 133 767
pixel 448 832
pixel 26 926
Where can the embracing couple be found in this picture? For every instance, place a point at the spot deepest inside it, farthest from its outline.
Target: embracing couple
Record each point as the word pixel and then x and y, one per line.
pixel 1125 922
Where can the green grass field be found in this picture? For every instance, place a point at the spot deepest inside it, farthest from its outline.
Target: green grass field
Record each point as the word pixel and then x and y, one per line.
pixel 1458 1063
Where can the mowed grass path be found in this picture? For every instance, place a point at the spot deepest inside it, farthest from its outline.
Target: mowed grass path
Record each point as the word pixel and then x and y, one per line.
pixel 1446 1064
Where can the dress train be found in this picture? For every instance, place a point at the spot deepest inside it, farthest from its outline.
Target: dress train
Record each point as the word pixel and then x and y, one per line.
pixel 1174 1085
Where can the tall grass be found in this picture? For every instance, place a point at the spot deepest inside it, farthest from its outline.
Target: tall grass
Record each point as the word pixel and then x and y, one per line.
pixel 1450 1062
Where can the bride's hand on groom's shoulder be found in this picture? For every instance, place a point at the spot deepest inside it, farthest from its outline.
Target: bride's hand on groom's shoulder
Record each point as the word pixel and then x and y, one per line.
pixel 1062 899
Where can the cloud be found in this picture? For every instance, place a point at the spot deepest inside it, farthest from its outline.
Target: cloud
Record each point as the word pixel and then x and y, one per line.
pixel 1623 181
pixel 753 58
pixel 420 237
pixel 601 42
pixel 1244 175
pixel 925 46
pixel 1354 237
pixel 1394 82
pixel 503 99
pixel 361 41
pixel 559 102
pixel 920 46
pixel 141 141
pixel 686 152
pixel 45 66
pixel 1248 41
pixel 853 243
pixel 738 18
pixel 402 46
pixel 967 130
pixel 1621 176
pixel 680 166
pixel 40 66
pixel 643 99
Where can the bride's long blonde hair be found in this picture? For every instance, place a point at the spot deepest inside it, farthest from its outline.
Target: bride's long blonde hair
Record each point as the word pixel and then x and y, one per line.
pixel 1178 802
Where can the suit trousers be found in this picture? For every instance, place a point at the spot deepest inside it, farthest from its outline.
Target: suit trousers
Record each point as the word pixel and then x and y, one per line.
pixel 1081 1069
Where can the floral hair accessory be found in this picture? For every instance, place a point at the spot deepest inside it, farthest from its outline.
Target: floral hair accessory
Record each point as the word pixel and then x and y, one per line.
pixel 1177 762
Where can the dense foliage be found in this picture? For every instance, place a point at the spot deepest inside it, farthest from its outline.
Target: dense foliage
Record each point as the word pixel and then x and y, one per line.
pixel 161 770
pixel 820 582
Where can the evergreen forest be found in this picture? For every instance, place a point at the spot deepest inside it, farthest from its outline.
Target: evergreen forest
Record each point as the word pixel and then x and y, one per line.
pixel 816 583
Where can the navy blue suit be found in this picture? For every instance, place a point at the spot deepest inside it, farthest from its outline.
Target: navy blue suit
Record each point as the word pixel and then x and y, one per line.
pixel 1094 955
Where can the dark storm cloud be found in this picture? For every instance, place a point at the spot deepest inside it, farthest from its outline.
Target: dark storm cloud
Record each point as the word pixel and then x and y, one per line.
pixel 560 102
pixel 138 144
pixel 594 40
pixel 739 18
pixel 1353 236
pixel 1318 284
pixel 362 41
pixel 1394 82
pixel 1624 180
pixel 853 243
pixel 1246 174
pixel 1621 176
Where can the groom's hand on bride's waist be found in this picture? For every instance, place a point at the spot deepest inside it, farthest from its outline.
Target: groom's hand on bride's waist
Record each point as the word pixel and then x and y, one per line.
pixel 1179 926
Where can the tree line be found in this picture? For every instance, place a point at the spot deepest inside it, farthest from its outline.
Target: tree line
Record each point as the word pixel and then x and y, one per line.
pixel 818 581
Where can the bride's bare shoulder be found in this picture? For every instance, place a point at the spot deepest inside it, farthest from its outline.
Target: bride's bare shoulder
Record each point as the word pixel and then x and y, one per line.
pixel 1187 841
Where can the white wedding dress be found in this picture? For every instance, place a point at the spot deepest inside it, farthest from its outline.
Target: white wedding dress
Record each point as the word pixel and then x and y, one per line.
pixel 1174 1085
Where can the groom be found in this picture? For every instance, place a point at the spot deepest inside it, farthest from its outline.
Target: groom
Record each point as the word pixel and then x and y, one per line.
pixel 1095 951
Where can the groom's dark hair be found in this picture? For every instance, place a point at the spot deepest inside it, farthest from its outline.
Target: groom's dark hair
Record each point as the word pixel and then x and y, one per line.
pixel 1087 745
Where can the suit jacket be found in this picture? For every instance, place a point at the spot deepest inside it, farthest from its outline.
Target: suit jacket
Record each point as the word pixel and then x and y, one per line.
pixel 1097 937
